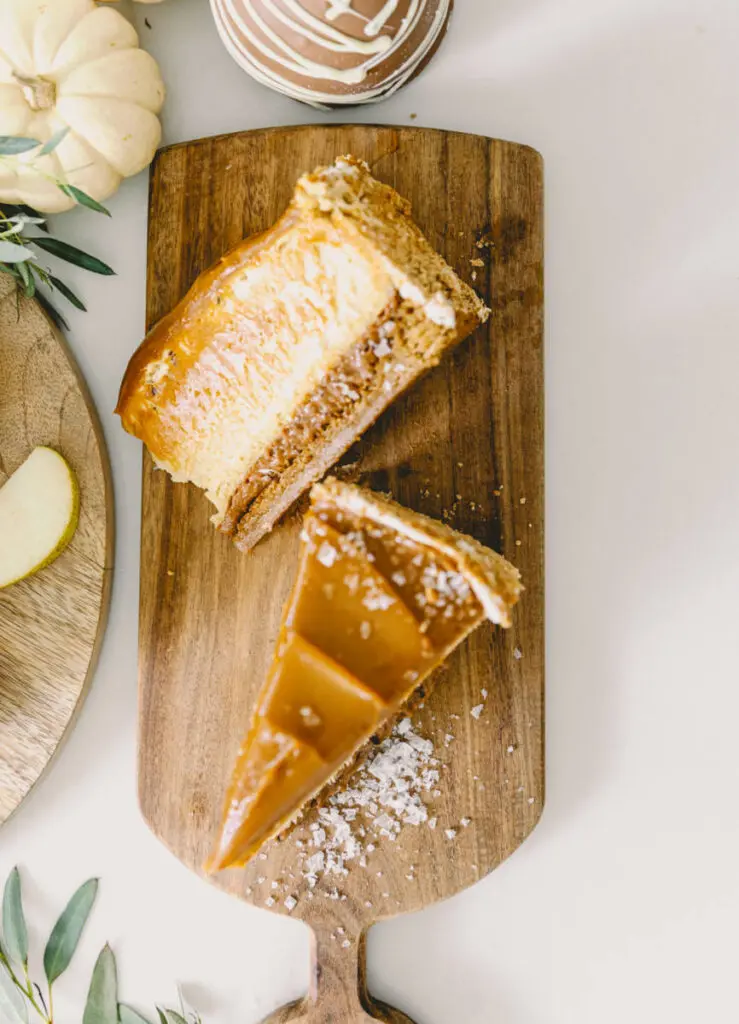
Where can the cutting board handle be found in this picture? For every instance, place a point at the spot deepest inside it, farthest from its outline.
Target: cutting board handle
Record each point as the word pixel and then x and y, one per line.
pixel 338 992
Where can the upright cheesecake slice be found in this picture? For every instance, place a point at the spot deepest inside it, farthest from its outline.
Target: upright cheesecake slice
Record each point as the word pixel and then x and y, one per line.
pixel 382 596
pixel 281 355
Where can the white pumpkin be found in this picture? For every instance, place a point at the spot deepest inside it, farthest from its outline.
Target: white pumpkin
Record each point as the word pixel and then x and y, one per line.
pixel 71 64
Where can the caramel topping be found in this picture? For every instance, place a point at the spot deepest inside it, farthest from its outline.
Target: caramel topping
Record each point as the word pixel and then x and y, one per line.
pixel 374 609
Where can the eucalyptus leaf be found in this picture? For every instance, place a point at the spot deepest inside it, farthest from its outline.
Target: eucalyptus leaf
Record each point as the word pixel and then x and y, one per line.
pixel 67 292
pixel 15 933
pixel 83 199
pixel 167 1016
pixel 29 285
pixel 11 252
pixel 54 141
pixel 102 998
pixel 127 1015
pixel 12 145
pixel 71 254
pixel 13 1006
pixel 67 931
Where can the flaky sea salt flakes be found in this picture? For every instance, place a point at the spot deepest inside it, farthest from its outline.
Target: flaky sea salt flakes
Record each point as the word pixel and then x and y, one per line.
pixel 270 901
pixel 510 749
pixel 477 710
pixel 378 601
pixel 346 944
pixel 433 822
pixel 385 793
pixel 465 822
pixel 531 799
pixel 365 630
pixel 327 554
pixel 290 904
pixel 518 654
pixel 450 833
pixel 484 694
pixel 261 880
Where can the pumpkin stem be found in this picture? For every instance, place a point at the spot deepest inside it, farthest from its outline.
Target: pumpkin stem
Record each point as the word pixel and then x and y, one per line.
pixel 39 93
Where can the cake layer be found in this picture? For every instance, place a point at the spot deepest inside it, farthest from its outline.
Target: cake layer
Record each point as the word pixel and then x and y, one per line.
pixel 274 362
pixel 217 380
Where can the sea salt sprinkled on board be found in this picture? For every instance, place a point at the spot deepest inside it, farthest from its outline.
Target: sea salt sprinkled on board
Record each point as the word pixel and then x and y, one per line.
pixel 477 710
pixel 386 792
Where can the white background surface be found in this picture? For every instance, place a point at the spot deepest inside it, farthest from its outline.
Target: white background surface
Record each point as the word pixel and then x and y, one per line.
pixel 623 904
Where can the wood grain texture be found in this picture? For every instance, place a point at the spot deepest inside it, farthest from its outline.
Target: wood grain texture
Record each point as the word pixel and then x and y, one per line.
pixel 465 444
pixel 51 624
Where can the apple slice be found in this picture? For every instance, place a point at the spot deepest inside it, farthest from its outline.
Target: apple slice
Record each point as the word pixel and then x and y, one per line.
pixel 39 509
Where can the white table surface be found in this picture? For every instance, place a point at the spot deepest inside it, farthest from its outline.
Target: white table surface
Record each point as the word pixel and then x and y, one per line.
pixel 623 904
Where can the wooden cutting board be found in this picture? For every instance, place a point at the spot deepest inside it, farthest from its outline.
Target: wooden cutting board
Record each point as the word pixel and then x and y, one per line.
pixel 466 445
pixel 52 623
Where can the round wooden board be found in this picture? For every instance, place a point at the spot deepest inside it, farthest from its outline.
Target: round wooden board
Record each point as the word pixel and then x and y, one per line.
pixel 465 444
pixel 52 623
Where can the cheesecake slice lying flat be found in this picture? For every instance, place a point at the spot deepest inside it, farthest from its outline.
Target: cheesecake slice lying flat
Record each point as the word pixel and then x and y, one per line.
pixel 382 596
pixel 286 351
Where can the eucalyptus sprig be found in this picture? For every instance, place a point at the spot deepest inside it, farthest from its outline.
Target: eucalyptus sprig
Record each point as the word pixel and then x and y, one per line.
pixel 19 995
pixel 17 255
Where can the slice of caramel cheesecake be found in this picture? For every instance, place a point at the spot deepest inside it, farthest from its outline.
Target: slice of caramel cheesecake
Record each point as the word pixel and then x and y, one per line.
pixel 382 596
pixel 281 356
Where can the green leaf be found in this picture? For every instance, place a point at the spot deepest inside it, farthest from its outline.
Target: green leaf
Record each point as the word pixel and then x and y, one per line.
pixel 11 252
pixel 127 1015
pixel 66 932
pixel 102 998
pixel 54 141
pixel 13 1006
pixel 71 254
pixel 167 1016
pixel 83 199
pixel 11 145
pixel 15 933
pixel 67 292
pixel 29 285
